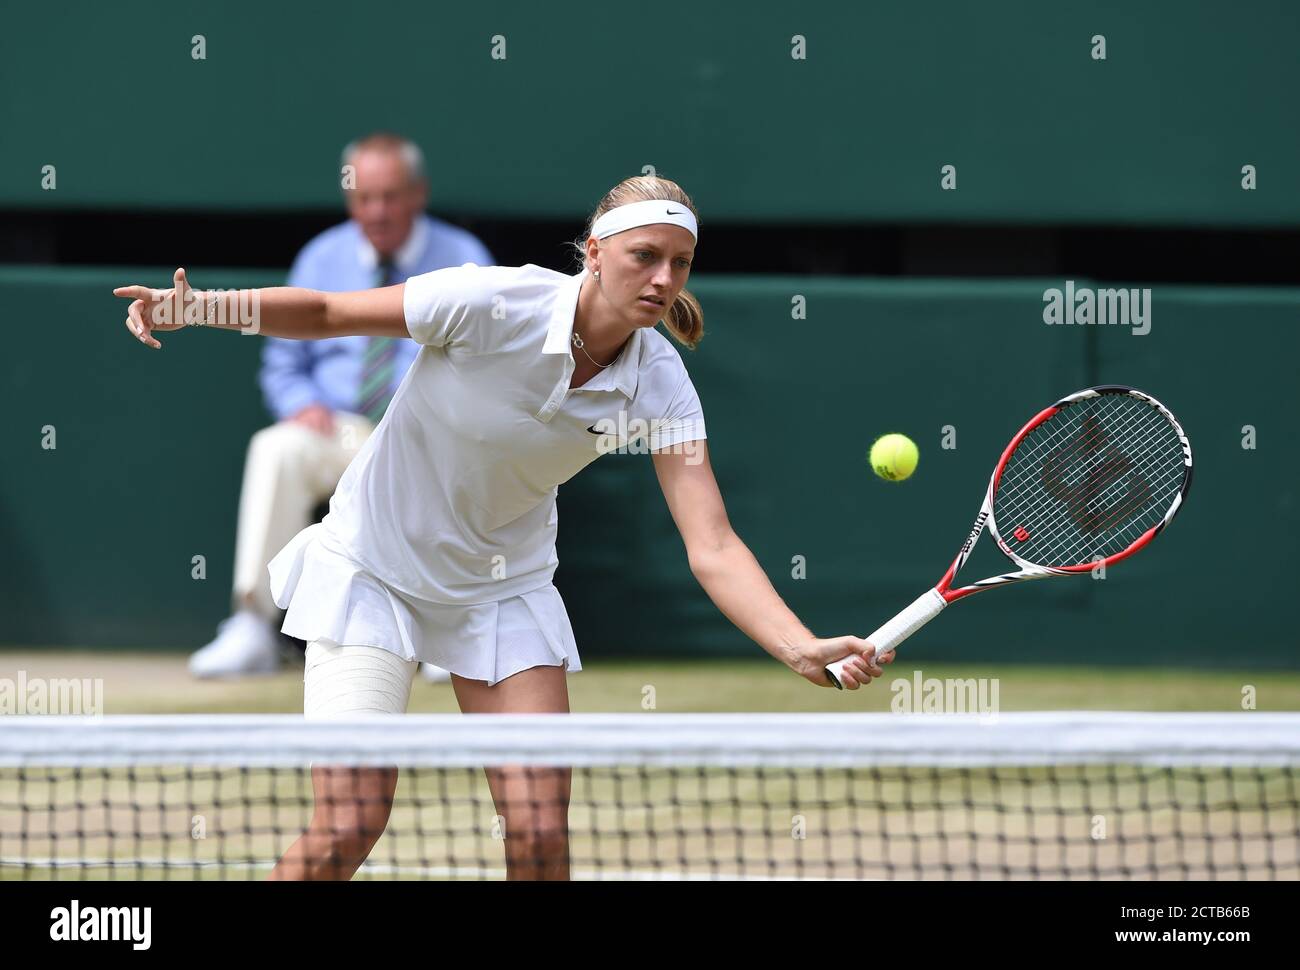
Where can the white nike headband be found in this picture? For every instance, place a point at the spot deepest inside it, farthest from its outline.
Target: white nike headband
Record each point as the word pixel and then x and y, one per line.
pixel 649 213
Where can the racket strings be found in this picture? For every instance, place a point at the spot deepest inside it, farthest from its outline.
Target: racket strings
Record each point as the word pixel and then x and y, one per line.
pixel 1079 495
pixel 1047 436
pixel 1141 499
pixel 1063 447
pixel 1101 474
pixel 1093 503
pixel 1019 493
pixel 1097 516
pixel 1089 481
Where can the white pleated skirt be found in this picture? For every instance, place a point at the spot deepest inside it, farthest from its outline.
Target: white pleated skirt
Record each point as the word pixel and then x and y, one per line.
pixel 333 599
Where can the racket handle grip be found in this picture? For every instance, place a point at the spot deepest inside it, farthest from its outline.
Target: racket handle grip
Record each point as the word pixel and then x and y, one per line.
pixel 924 609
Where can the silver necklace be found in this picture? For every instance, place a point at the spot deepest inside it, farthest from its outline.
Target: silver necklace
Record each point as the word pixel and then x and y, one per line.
pixel 577 342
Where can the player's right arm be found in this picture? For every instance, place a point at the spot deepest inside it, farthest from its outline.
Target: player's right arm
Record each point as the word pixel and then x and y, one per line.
pixel 279 311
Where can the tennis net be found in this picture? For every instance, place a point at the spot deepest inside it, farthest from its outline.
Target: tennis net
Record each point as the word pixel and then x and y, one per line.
pixel 659 796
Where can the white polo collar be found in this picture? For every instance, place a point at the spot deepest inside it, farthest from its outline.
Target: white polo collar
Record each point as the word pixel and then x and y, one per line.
pixel 408 254
pixel 622 374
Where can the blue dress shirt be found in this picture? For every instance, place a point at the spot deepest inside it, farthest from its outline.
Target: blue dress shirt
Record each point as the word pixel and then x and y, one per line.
pixel 296 373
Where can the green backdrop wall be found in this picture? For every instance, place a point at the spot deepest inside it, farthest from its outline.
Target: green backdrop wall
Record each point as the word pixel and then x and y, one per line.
pixel 99 532
pixel 1007 92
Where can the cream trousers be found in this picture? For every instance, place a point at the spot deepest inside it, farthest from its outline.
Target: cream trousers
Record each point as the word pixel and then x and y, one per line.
pixel 289 470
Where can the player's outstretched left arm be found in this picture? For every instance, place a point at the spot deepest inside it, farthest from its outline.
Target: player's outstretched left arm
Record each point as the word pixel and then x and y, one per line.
pixel 732 577
pixel 277 311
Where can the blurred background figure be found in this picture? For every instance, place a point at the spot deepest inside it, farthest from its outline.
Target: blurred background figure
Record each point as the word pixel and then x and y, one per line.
pixel 328 395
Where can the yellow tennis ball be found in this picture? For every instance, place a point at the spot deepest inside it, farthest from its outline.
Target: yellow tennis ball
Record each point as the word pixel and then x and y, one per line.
pixel 894 456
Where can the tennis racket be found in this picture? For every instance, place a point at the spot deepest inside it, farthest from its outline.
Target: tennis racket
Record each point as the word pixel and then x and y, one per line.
pixel 1090 480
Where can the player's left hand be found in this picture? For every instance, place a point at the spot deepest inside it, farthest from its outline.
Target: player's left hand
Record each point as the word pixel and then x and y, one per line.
pixel 813 656
pixel 156 310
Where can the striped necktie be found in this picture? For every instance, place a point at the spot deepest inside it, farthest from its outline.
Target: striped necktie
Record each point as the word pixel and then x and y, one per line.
pixel 378 365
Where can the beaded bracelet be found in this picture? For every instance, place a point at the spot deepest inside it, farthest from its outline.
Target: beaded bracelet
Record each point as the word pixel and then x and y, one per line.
pixel 209 316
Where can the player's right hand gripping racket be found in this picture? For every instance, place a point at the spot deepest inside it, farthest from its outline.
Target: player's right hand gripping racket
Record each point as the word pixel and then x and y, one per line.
pixel 1090 480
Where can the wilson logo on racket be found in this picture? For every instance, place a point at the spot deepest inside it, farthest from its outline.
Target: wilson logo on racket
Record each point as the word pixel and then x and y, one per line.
pixel 1090 501
pixel 975 532
pixel 1091 479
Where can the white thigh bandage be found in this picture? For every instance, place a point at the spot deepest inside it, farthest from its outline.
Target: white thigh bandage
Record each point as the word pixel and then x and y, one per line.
pixel 341 681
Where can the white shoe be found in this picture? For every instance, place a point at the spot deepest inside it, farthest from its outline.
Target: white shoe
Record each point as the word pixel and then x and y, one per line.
pixel 434 675
pixel 245 644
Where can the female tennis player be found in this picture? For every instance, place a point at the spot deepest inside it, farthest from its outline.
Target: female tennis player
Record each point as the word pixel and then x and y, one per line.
pixel 439 545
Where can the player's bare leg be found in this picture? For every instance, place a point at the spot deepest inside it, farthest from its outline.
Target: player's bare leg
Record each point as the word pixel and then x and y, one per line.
pixel 533 802
pixel 351 811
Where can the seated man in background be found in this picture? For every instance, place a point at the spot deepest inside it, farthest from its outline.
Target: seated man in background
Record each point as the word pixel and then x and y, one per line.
pixel 328 395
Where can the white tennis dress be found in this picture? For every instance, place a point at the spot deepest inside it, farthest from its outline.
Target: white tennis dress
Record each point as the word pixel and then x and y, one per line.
pixel 439 544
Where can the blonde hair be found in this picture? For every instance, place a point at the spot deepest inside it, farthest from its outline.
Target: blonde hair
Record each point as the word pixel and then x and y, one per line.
pixel 685 318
